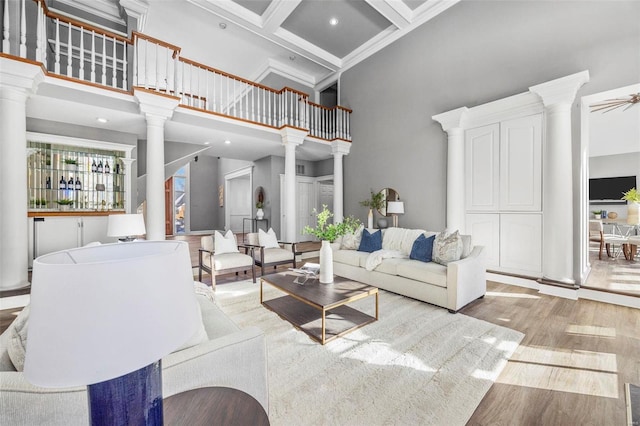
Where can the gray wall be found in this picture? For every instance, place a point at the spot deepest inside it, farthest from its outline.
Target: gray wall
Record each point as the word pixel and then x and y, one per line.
pixel 473 53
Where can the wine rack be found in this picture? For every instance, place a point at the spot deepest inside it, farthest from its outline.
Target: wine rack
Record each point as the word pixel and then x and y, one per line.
pixel 62 177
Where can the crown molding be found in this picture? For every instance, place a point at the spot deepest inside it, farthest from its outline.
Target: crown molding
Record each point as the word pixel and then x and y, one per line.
pixel 277 12
pixel 101 8
pixel 397 13
pixel 284 70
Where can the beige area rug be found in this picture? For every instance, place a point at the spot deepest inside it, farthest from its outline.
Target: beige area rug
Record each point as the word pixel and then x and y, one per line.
pixel 417 365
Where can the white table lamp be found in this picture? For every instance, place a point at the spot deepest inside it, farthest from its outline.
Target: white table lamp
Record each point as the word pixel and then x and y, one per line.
pixel 395 208
pixel 104 316
pixel 125 226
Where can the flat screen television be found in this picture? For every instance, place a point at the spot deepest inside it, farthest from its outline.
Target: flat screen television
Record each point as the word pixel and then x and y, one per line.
pixel 610 188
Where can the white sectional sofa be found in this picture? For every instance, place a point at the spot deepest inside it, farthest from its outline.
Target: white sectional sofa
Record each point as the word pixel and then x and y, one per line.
pixel 451 286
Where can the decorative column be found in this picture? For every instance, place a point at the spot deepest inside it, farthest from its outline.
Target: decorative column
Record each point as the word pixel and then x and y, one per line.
pixel 452 122
pixel 338 149
pixel 291 138
pixel 157 109
pixel 128 202
pixel 18 80
pixel 557 176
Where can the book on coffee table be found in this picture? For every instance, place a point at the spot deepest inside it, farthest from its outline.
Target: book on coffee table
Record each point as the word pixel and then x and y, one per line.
pixel 312 269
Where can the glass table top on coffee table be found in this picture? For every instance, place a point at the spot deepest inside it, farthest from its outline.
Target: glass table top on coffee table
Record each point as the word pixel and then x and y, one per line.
pixel 319 310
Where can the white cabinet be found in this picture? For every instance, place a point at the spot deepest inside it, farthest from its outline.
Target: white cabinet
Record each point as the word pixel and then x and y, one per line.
pixel 521 164
pixel 53 233
pixel 503 174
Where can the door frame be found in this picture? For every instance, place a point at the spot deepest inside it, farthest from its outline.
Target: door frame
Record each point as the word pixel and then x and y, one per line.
pixel 227 178
pixel 316 195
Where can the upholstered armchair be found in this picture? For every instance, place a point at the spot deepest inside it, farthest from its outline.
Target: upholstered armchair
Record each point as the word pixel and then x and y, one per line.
pixel 224 257
pixel 268 251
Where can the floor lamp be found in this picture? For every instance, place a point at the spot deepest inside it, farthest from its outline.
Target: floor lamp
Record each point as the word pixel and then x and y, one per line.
pixel 103 316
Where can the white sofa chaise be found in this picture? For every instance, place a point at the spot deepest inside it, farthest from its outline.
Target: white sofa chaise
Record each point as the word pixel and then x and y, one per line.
pixel 231 357
pixel 450 286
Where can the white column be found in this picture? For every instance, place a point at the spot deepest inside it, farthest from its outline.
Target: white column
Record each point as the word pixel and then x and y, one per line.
pixel 18 81
pixel 128 202
pixel 338 149
pixel 157 109
pixel 452 122
pixel 290 139
pixel 557 192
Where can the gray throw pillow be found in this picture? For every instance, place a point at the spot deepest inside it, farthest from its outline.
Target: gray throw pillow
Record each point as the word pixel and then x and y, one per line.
pixel 447 247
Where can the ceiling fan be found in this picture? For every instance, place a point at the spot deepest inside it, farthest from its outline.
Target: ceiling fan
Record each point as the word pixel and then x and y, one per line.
pixel 611 104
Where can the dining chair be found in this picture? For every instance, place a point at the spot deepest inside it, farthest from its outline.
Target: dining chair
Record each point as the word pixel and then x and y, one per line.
pixel 596 234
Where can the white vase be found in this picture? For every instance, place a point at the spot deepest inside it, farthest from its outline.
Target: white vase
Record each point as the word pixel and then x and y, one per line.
pixel 259 214
pixel 633 213
pixel 326 263
pixel 370 219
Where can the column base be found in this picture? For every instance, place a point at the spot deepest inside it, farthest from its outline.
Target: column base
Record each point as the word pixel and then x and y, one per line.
pixel 17 286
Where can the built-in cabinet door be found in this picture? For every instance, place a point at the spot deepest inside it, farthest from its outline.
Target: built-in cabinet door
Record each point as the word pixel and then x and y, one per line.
pixel 94 228
pixel 521 164
pixel 485 231
pixel 521 242
pixel 56 233
pixel 482 175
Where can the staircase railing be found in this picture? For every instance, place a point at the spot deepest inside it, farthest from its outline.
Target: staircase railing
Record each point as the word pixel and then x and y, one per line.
pixel 71 49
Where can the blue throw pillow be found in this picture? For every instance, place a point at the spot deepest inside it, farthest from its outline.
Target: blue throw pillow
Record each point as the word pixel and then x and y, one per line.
pixel 370 241
pixel 422 249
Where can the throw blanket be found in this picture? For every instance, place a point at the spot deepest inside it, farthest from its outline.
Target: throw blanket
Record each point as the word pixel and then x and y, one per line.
pixel 374 259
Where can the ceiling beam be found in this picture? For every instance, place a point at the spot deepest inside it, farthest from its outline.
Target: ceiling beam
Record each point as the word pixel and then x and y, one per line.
pixel 277 12
pixel 395 12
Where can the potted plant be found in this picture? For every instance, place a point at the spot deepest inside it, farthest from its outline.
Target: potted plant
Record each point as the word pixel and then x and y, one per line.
pixel 375 202
pixel 64 204
pixel 327 233
pixel 70 164
pixel 632 197
pixel 260 212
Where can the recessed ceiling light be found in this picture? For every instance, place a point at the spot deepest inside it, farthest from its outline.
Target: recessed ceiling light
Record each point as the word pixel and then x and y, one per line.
pixel 222 26
pixel 333 21
pixel 207 143
pixel 101 120
pixel 292 58
pixel 227 141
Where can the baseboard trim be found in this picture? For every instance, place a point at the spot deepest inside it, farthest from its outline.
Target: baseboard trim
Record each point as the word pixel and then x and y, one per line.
pixel 15 301
pixel 559 291
pixel 607 297
pixel 519 281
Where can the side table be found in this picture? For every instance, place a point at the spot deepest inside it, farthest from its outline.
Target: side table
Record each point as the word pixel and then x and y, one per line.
pixel 214 406
pixel 253 225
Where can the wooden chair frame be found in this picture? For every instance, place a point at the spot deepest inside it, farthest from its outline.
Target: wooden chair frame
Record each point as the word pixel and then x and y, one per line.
pixel 214 273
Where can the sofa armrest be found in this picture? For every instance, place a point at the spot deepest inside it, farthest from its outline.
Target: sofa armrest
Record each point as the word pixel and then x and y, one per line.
pixel 237 360
pixel 466 279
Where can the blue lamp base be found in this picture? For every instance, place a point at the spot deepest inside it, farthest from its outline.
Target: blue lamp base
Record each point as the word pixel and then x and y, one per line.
pixel 132 399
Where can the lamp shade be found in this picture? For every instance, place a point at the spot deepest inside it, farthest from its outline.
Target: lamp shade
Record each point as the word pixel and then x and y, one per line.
pixel 104 311
pixel 395 207
pixel 125 225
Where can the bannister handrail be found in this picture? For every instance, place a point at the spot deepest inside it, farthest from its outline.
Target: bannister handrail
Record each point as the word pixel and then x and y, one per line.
pixel 330 108
pixel 226 74
pixel 68 20
pixel 289 89
pixel 176 49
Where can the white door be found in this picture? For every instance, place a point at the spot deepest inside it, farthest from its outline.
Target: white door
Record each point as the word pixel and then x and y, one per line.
pixel 482 168
pixel 484 229
pixel 521 164
pixel 56 233
pixel 238 202
pixel 520 243
pixel 325 194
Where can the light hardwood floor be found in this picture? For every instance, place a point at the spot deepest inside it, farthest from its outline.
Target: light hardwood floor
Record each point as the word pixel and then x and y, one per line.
pixel 570 368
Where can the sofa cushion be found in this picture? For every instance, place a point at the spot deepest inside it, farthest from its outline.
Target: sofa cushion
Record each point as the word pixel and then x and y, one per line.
pixel 17 343
pixel 225 243
pixel 350 257
pixel 268 239
pixel 400 239
pixel 231 260
pixel 351 240
pixel 467 246
pixel 200 335
pixel 370 241
pixel 422 248
pixel 272 255
pixel 447 247
pixel 390 265
pixel 431 273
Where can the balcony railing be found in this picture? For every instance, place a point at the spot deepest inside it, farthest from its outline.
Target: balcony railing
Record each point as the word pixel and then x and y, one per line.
pixel 75 50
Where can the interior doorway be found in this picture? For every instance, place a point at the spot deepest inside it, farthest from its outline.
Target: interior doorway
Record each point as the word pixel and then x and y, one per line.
pixel 311 193
pixel 238 198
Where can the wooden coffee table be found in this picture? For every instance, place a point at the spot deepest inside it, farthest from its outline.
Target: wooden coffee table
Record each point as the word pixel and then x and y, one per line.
pixel 319 309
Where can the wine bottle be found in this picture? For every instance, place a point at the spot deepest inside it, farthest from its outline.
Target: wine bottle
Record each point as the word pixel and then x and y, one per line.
pixel 117 168
pixel 107 169
pixel 62 184
pixel 94 167
pixel 70 183
pixel 48 182
pixel 78 184
pixel 100 167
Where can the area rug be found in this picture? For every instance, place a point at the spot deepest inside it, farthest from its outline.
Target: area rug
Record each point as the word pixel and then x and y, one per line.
pixel 418 364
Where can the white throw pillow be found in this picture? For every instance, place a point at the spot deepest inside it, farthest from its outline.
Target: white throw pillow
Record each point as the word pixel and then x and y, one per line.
pixel 225 243
pixel 17 343
pixel 268 239
pixel 447 247
pixel 351 240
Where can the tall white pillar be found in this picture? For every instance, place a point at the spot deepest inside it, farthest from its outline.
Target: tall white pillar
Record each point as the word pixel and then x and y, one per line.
pixel 291 138
pixel 452 122
pixel 338 149
pixel 557 192
pixel 18 80
pixel 157 109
